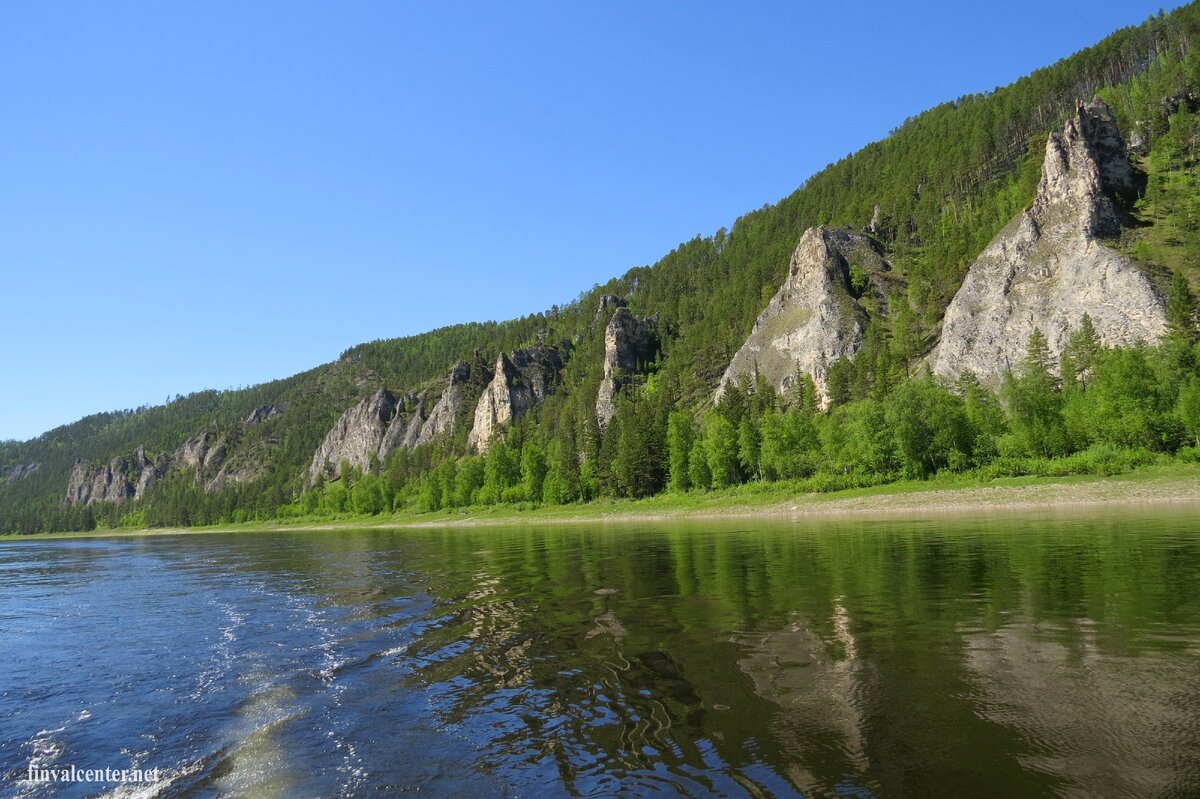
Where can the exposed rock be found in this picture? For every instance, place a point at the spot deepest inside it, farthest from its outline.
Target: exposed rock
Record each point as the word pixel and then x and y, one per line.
pixel 100 483
pixel 1139 141
pixel 404 431
pixel 264 412
pixel 875 226
pixel 203 451
pixel 629 343
pixel 518 384
pixel 148 471
pixel 21 471
pixel 449 405
pixel 356 437
pixel 608 301
pixel 815 318
pixel 231 472
pixel 1048 267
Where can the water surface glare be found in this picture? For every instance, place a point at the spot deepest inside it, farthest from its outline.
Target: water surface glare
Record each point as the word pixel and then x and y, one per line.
pixel 1010 655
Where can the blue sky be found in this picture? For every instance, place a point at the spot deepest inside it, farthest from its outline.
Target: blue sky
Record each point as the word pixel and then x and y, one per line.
pixel 210 195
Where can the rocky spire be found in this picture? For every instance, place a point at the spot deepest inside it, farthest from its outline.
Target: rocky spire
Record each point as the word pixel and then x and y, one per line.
pixel 815 318
pixel 1049 266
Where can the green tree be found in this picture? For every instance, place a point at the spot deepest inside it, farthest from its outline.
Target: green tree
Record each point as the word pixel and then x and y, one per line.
pixel 1187 408
pixel 721 449
pixel 366 497
pixel 749 447
pixel 930 426
pixel 699 475
pixel 468 480
pixel 679 445
pixel 533 470
pixel 1035 403
pixel 562 483
pixel 500 472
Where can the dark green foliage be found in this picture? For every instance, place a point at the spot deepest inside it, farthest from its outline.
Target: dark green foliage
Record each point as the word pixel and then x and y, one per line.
pixel 1035 403
pixel 931 427
pixel 680 439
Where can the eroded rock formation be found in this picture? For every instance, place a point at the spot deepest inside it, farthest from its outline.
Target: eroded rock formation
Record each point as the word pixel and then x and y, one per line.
pixel 356 437
pixel 629 343
pixel 108 482
pixel 446 411
pixel 518 383
pixel 1049 266
pixel 818 315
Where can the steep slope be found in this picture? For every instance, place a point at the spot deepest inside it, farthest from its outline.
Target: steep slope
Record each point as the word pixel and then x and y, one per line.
pixel 629 344
pixel 519 383
pixel 818 316
pixel 1050 265
pixel 934 193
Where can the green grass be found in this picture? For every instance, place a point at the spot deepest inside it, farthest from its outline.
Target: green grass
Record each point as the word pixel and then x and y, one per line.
pixel 746 500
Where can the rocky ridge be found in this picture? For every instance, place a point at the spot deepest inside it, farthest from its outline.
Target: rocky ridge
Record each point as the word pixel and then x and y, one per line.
pixel 1049 266
pixel 519 382
pixel 818 316
pixel 384 422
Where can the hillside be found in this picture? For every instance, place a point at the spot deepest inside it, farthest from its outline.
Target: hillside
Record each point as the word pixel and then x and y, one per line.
pixel 932 197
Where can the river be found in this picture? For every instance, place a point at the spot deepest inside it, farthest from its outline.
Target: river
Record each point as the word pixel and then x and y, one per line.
pixel 1050 654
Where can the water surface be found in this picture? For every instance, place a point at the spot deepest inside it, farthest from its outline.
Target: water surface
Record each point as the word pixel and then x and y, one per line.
pixel 1014 655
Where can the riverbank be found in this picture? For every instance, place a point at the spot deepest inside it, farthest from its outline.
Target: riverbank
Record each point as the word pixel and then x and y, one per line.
pixel 1177 484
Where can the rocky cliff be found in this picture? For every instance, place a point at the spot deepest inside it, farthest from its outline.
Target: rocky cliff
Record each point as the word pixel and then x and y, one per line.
pixel 385 422
pixel 356 437
pixel 405 425
pixel 629 343
pixel 818 316
pixel 108 482
pixel 20 472
pixel 518 383
pixel 1049 266
pixel 442 417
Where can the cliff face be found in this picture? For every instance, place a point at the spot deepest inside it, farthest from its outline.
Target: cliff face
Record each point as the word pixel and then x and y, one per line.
pixel 1049 267
pixel 518 384
pixel 356 436
pixel 629 343
pixel 441 419
pixel 815 318
pixel 385 422
pixel 107 482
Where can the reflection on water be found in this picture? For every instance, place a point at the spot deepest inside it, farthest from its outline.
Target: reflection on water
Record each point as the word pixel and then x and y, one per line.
pixel 1034 656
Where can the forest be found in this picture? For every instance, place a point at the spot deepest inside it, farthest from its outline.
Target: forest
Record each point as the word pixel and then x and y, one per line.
pixel 944 182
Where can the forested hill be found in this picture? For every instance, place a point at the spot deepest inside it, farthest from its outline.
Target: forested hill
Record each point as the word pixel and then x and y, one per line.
pixel 932 195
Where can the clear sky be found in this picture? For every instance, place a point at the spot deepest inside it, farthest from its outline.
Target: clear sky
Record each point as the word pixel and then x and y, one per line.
pixel 214 194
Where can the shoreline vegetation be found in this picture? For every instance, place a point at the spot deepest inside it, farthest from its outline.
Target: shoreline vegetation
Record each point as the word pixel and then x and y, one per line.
pixel 1150 486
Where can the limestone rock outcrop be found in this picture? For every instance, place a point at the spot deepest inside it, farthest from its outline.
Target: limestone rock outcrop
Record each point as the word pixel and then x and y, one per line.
pixel 202 452
pixel 20 472
pixel 608 301
pixel 818 316
pixel 629 343
pixel 108 482
pixel 1049 266
pixel 149 471
pixel 356 437
pixel 264 412
pixel 518 383
pixel 444 414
